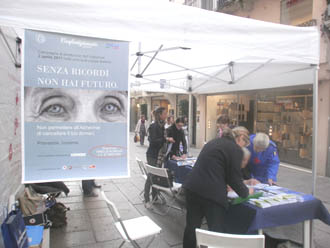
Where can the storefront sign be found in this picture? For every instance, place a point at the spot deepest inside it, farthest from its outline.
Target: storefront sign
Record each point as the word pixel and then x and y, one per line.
pixel 74 108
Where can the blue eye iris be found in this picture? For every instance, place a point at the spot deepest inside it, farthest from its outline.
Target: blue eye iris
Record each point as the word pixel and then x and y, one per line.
pixel 110 108
pixel 55 109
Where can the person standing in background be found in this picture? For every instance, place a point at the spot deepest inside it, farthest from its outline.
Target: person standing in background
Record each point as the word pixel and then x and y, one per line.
pixel 176 136
pixel 169 122
pixel 222 123
pixel 156 141
pixel 141 128
pixel 88 188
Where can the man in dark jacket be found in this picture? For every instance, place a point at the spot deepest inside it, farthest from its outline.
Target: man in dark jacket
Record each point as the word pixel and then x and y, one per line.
pixel 156 141
pixel 175 134
pixel 218 164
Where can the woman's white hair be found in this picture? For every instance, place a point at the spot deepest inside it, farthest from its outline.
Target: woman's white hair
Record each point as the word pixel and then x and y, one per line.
pixel 246 152
pixel 261 140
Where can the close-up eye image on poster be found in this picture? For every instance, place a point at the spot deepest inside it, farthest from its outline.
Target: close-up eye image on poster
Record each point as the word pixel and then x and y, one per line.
pixel 74 107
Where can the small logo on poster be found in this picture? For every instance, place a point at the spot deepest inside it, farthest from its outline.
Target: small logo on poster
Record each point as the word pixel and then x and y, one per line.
pixel 40 38
pixel 79 43
pixel 112 45
pixel 67 167
pixel 92 166
pixel 107 151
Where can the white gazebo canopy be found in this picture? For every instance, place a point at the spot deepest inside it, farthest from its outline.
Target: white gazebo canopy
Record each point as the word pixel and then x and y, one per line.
pixel 225 53
pixel 215 52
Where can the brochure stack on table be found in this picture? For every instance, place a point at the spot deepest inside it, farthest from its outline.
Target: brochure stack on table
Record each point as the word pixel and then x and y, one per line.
pixel 187 162
pixel 274 196
pixel 269 196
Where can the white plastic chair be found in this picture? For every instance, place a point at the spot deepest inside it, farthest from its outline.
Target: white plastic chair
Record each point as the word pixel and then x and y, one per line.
pixel 133 229
pixel 143 172
pixel 225 240
pixel 172 190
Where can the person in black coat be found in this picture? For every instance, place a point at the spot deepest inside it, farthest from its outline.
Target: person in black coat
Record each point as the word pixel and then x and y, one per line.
pixel 176 135
pixel 156 141
pixel 218 165
pixel 88 188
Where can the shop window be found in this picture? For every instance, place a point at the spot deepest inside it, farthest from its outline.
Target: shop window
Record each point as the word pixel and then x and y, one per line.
pixel 159 103
pixel 184 108
pixel 295 12
pixel 217 106
pixel 144 110
pixel 287 119
pixel 208 4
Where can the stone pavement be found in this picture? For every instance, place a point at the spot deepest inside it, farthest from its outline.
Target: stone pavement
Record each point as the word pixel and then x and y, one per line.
pixel 90 224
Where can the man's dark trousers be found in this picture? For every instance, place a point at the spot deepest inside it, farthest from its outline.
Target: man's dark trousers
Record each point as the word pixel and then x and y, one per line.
pixel 198 208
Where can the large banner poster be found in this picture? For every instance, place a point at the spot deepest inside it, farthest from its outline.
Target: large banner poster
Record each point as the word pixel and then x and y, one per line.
pixel 75 107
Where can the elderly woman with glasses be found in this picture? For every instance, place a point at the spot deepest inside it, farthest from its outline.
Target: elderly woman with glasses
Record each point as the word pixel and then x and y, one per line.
pixel 264 161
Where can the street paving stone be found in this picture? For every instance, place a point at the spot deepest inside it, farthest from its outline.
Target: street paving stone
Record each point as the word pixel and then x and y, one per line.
pixel 91 225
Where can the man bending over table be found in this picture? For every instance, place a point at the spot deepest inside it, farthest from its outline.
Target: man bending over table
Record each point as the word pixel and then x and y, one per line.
pixel 218 165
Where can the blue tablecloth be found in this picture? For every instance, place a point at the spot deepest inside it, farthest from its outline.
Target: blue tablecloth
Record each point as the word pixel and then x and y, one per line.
pixel 180 171
pixel 248 218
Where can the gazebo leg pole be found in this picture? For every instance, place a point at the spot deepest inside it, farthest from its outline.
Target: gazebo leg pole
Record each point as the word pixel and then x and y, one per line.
pixel 315 144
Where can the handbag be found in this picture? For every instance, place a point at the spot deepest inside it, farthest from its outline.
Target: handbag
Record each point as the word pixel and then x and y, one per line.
pixel 31 202
pixel 57 215
pixel 136 138
pixel 13 231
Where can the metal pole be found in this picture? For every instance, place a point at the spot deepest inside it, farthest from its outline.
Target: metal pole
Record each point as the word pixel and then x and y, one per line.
pixel 315 144
pixel 315 128
pixel 183 67
pixel 152 59
pixel 139 59
pixel 17 64
pixel 190 123
pixel 238 112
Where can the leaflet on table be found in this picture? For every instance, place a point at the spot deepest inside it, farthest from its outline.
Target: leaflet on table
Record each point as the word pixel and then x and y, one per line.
pixel 270 189
pixel 280 199
pixel 271 196
pixel 186 162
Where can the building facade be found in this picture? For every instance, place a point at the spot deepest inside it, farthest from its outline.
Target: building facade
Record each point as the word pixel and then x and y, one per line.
pixel 285 113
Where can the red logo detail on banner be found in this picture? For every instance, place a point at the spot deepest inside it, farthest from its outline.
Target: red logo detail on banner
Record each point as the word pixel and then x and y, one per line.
pixel 16 125
pixel 10 155
pixel 256 160
pixel 17 99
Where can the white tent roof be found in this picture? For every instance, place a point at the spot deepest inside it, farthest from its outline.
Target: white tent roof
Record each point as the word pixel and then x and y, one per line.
pixel 229 52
